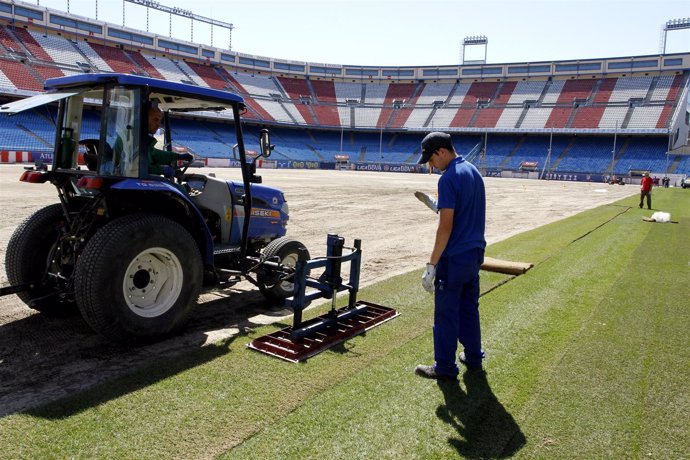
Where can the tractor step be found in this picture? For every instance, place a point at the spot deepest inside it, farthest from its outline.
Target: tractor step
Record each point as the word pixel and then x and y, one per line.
pixel 221 250
pixel 323 332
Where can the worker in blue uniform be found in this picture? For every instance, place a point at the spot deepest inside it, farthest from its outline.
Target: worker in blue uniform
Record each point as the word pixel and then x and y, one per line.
pixel 452 273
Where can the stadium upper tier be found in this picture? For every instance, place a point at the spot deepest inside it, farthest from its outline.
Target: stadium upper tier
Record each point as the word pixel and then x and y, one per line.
pixel 643 94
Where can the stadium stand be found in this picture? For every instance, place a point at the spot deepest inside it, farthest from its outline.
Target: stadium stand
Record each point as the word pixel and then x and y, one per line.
pixel 587 154
pixel 432 97
pixel 462 118
pixel 642 117
pixel 508 94
pixel 6 83
pixel 256 85
pixel 20 76
pixel 379 120
pixel 526 91
pixel 630 88
pixel 116 59
pixel 325 113
pixel 487 117
pixel 662 88
pixel 93 57
pixel 536 117
pixel 367 116
pixel 348 91
pixel 509 117
pixel 393 115
pixel 60 49
pixel 375 93
pixel 419 117
pixel 269 99
pixel 559 117
pixel 210 77
pixel 298 90
pixel 678 82
pixel 144 63
pixel 480 91
pixel 613 117
pixel 641 153
pixel 9 43
pixel 588 117
pixel 31 45
pixel 458 93
pixel 173 71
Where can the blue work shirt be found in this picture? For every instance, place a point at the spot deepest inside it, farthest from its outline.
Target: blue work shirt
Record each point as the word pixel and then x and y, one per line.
pixel 461 188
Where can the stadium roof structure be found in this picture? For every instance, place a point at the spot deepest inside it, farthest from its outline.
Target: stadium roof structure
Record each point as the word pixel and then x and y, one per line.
pixel 18 12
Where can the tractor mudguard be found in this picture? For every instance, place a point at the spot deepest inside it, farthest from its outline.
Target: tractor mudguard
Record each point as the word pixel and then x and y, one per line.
pixel 164 186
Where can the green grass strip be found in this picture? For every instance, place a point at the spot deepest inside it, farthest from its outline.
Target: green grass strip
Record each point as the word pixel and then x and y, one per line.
pixel 578 365
pixel 621 386
pixel 560 383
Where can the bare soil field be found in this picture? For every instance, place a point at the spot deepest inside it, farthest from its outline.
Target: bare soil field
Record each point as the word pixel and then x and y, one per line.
pixel 42 359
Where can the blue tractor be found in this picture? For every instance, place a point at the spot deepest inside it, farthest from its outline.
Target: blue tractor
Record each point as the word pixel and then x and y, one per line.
pixel 130 249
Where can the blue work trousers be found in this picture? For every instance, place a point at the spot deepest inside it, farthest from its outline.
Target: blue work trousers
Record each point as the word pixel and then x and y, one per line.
pixel 456 310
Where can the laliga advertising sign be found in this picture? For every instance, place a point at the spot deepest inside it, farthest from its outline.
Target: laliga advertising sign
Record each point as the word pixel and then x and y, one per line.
pixel 402 168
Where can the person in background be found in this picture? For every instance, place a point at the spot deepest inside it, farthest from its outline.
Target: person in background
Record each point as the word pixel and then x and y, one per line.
pixel 452 273
pixel 646 190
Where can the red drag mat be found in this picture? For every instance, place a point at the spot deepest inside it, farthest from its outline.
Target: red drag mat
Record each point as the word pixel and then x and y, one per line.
pixel 281 344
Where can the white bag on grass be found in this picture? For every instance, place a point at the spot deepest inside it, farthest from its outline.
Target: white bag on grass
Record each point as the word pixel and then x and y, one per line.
pixel 661 217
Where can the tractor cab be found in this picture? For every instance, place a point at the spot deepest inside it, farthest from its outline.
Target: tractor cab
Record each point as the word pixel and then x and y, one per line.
pixel 114 143
pixel 103 120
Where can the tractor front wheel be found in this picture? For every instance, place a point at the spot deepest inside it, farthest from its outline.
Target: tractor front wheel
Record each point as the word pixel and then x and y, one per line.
pixel 287 250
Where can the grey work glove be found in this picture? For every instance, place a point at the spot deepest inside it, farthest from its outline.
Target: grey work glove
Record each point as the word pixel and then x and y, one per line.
pixel 428 277
pixel 427 200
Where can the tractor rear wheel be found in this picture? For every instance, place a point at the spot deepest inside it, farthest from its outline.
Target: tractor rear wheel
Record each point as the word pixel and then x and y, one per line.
pixel 28 259
pixel 287 250
pixel 138 278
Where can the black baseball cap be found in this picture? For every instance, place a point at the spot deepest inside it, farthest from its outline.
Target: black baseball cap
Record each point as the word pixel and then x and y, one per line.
pixel 432 142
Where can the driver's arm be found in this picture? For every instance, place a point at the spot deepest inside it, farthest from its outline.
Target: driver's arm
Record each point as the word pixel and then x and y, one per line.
pixel 160 158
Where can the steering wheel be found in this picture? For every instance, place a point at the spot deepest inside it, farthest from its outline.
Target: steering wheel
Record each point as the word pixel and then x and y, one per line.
pixel 181 170
pixel 91 155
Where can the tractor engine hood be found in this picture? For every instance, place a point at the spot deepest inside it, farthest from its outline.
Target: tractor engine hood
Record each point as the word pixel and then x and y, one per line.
pixel 269 209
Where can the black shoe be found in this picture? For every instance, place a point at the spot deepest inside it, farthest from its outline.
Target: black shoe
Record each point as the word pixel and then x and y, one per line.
pixel 463 361
pixel 429 372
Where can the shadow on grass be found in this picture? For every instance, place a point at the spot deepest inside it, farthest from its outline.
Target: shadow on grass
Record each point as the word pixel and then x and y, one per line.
pixel 130 383
pixel 44 360
pixel 485 429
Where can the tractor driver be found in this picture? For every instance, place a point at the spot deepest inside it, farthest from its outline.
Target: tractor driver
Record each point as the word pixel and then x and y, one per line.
pixel 159 160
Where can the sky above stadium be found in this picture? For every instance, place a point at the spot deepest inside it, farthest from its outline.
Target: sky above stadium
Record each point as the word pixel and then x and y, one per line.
pixel 409 33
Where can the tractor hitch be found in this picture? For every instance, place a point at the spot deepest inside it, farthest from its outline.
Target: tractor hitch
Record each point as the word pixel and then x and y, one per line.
pixel 7 290
pixel 308 338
